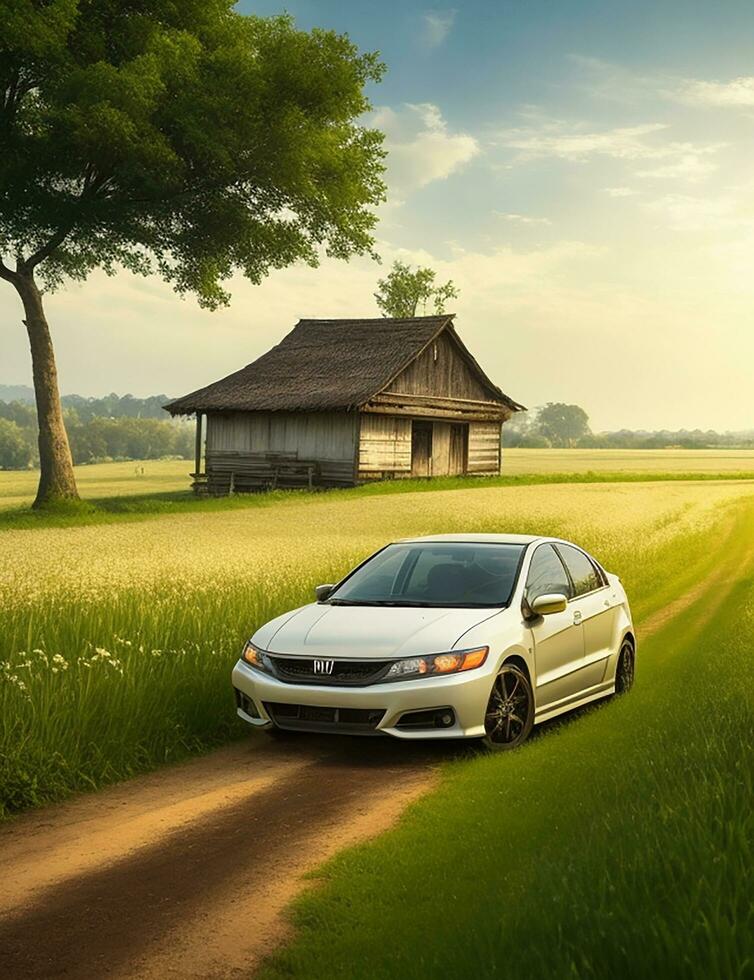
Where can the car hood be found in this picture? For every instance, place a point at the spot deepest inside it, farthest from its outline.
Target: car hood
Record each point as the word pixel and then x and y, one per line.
pixel 378 632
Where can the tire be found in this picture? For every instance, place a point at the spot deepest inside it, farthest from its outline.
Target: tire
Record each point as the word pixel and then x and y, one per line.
pixel 625 670
pixel 509 715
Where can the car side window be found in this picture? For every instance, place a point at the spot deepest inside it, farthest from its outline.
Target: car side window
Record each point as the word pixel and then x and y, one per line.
pixel 585 576
pixel 546 574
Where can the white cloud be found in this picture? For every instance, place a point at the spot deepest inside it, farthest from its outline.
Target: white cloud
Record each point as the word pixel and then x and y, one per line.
pixel 616 83
pixel 421 148
pixel 691 166
pixel 578 142
pixel 436 25
pixel 737 92
pixel 620 191
pixel 522 219
pixel 685 212
pixel 575 143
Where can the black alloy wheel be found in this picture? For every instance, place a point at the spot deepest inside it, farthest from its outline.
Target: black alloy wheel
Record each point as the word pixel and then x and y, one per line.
pixel 510 710
pixel 626 669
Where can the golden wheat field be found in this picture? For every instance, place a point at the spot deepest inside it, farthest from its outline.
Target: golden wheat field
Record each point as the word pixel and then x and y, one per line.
pixel 520 461
pixel 276 547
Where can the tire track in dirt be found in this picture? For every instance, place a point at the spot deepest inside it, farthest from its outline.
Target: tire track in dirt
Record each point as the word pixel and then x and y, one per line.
pixel 194 888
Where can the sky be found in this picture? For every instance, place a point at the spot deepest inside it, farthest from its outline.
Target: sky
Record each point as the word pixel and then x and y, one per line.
pixel 581 170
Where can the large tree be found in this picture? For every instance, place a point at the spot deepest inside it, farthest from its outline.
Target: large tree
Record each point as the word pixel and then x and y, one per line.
pixel 562 424
pixel 177 137
pixel 405 291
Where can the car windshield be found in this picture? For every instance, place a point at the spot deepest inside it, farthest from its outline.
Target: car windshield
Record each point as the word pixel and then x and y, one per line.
pixel 434 574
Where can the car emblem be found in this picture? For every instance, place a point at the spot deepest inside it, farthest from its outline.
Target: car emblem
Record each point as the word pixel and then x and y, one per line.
pixel 323 666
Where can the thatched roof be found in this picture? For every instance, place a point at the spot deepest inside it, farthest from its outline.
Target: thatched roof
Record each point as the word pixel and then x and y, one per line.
pixel 326 365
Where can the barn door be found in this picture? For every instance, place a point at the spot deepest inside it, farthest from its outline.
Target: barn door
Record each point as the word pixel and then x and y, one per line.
pixel 459 441
pixel 421 449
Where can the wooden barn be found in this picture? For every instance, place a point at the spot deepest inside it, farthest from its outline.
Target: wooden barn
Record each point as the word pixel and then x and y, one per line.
pixel 340 402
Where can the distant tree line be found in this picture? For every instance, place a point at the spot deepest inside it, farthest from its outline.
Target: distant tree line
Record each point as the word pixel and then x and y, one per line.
pixel 99 430
pixel 561 426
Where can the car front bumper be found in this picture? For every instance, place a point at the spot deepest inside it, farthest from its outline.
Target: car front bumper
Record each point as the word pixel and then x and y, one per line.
pixel 465 694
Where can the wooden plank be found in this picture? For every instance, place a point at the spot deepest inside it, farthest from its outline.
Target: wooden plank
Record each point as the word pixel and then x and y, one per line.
pixel 484 447
pixel 421 449
pixel 440 448
pixel 426 411
pixel 459 439
pixel 385 444
pixel 198 445
pixel 404 397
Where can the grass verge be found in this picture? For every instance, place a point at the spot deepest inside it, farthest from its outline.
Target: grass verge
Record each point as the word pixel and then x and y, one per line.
pixel 618 843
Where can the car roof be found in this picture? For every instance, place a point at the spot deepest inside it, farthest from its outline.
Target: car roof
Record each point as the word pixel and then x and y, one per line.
pixel 480 538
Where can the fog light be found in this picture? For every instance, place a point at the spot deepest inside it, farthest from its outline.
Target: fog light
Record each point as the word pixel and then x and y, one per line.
pixel 246 704
pixel 446 720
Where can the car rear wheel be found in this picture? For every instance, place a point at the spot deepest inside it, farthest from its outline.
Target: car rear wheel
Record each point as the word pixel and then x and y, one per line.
pixel 510 710
pixel 626 669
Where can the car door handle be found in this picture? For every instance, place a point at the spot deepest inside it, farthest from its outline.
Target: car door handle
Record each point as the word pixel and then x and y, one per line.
pixel 576 616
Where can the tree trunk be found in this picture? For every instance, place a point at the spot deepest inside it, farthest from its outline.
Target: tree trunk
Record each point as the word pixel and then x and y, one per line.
pixel 56 479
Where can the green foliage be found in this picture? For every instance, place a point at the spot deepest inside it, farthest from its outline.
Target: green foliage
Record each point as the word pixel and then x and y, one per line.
pixel 92 437
pixel 128 438
pixel 561 424
pixel 116 406
pixel 567 426
pixel 15 452
pixel 182 138
pixel 406 291
pixel 24 414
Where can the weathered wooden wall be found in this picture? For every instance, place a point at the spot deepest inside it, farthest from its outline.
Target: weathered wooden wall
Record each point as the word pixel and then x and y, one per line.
pixel 484 448
pixel 441 371
pixel 313 435
pixel 384 447
pixel 260 449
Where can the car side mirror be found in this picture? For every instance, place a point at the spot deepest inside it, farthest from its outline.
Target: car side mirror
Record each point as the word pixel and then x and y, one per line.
pixel 323 592
pixel 549 603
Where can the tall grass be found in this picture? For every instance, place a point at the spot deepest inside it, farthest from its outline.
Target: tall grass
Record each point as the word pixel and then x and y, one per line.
pixel 616 844
pixel 116 642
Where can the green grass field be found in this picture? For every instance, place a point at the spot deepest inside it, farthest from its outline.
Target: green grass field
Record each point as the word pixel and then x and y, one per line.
pixel 103 480
pixel 616 844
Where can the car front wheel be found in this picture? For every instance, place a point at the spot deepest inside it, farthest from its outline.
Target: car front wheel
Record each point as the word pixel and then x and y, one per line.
pixel 510 710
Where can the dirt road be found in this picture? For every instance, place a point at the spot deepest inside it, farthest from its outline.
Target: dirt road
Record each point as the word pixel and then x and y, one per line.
pixel 185 872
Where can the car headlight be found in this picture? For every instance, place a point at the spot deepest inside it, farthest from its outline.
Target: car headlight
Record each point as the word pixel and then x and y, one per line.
pixel 437 664
pixel 255 657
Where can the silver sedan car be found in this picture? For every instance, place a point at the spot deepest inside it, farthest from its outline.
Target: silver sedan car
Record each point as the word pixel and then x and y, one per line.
pixel 450 636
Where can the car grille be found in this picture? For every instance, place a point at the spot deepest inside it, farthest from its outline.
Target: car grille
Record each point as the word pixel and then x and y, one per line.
pixel 356 673
pixel 316 718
